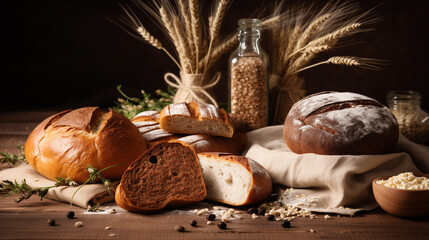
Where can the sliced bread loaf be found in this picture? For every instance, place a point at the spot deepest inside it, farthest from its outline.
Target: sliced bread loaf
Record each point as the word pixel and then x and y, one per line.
pixel 234 180
pixel 167 175
pixel 206 143
pixel 196 118
pixel 152 132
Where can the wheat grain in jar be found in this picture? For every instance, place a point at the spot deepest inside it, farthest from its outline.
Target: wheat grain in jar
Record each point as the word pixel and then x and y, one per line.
pixel 248 85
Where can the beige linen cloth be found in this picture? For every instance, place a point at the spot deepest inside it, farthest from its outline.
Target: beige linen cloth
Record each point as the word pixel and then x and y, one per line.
pixel 331 182
pixel 88 194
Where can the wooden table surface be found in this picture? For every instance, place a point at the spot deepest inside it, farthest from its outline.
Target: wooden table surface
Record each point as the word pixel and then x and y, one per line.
pixel 28 219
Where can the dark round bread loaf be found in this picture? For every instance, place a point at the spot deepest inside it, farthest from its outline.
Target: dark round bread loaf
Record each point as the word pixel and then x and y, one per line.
pixel 339 123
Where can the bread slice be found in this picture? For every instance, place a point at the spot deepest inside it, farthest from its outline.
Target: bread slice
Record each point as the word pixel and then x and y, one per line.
pixel 166 175
pixel 205 143
pixel 234 180
pixel 152 132
pixel 196 118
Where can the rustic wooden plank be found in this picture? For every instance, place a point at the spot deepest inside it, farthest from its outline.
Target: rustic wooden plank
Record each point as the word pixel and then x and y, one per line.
pixel 27 220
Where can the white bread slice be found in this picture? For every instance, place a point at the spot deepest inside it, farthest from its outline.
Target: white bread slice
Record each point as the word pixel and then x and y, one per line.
pixel 196 118
pixel 234 180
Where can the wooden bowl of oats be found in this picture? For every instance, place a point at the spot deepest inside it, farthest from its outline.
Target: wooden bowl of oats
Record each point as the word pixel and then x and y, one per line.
pixel 403 195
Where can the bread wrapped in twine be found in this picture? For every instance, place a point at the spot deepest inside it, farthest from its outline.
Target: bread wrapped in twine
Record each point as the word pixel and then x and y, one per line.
pixel 192 87
pixel 283 98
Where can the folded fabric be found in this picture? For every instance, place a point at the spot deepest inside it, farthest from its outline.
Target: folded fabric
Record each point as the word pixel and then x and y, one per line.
pixel 88 194
pixel 331 182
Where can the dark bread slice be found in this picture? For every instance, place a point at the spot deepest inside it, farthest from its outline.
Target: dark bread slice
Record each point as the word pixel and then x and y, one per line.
pixel 339 123
pixel 167 175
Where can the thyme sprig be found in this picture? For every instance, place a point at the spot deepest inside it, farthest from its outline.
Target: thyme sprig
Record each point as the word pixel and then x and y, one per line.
pixel 11 159
pixel 93 175
pixel 23 189
pixel 131 106
pixel 8 187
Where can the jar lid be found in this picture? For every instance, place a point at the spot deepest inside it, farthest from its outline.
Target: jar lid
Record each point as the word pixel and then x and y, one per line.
pixel 249 24
pixel 403 95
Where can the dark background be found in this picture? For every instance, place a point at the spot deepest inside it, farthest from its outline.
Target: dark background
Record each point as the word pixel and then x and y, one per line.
pixel 67 54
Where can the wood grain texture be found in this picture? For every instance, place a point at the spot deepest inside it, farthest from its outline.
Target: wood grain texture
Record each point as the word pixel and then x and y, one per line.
pixel 27 220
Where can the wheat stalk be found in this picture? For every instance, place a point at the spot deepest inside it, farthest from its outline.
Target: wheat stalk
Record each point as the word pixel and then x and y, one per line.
pixel 309 32
pixel 188 26
pixel 350 28
pixel 194 10
pixel 183 48
pixel 306 56
pixel 214 24
pixel 135 24
pixel 346 61
pixel 169 26
pixel 311 29
pixel 219 50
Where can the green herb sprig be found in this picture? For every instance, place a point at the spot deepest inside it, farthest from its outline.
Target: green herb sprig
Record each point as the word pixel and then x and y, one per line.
pixel 93 175
pixel 130 107
pixel 11 159
pixel 9 187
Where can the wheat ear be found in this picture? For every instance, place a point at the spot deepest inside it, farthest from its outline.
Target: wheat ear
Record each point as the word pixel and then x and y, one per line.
pixel 335 34
pixel 194 10
pixel 312 28
pixel 184 48
pixel 188 26
pixel 215 27
pixel 135 23
pixel 292 38
pixel 272 21
pixel 346 61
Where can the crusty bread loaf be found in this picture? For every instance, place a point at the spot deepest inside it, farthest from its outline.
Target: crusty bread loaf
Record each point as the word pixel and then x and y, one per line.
pixel 205 143
pixel 340 123
pixel 196 118
pixel 234 180
pixel 64 144
pixel 166 175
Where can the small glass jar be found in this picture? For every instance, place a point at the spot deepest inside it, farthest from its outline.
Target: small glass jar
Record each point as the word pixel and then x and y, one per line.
pixel 413 121
pixel 248 78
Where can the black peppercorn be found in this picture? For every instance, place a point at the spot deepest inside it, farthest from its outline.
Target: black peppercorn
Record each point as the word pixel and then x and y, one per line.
pixel 285 224
pixel 179 228
pixel 70 214
pixel 221 225
pixel 270 217
pixel 211 217
pixel 194 223
pixel 51 222
pixel 252 210
pixel 261 211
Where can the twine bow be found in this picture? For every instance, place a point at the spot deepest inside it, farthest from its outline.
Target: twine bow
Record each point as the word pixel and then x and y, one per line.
pixel 193 89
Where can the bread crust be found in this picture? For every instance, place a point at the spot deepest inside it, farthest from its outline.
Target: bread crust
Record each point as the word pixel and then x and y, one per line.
pixel 335 123
pixel 64 144
pixel 195 112
pixel 205 143
pixel 261 180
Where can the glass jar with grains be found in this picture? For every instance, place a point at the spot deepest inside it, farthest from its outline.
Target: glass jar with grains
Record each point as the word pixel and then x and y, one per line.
pixel 248 81
pixel 413 121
